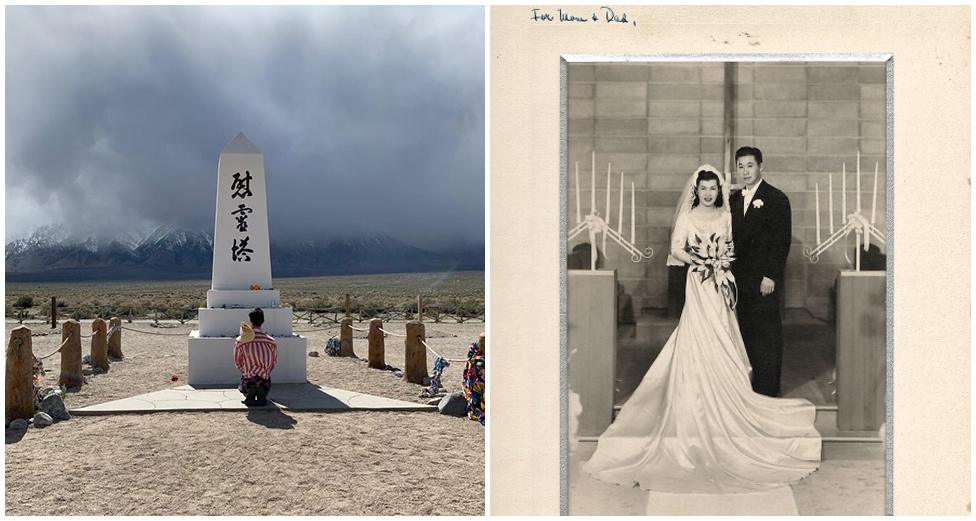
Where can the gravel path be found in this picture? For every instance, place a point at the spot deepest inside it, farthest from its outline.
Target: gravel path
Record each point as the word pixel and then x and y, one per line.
pixel 254 463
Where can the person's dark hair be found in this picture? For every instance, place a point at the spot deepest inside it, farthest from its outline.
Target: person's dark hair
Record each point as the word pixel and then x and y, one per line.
pixel 749 151
pixel 256 316
pixel 707 175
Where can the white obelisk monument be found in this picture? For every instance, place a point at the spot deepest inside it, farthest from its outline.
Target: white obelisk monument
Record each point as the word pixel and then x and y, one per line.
pixel 241 277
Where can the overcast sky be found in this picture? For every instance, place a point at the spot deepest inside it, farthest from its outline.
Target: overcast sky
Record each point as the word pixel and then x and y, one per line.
pixel 370 119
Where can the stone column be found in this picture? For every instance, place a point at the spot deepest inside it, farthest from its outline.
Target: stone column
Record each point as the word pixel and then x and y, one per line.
pixel 115 341
pixel 377 345
pixel 19 386
pixel 71 355
pixel 99 345
pixel 415 357
pixel 345 337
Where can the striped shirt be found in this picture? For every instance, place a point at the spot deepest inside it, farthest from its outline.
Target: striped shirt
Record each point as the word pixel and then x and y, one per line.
pixel 257 357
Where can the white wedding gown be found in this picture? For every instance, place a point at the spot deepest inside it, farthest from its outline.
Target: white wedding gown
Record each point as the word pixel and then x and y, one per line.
pixel 694 424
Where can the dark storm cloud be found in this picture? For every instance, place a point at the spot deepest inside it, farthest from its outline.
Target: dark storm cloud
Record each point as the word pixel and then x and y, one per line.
pixel 370 119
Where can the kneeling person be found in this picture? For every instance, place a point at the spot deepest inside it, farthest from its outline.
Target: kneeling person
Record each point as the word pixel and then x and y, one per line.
pixel 255 354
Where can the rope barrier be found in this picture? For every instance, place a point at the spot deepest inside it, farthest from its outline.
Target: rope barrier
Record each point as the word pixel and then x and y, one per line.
pixel 311 330
pixel 152 333
pixel 393 334
pixel 354 328
pixel 58 350
pixel 422 341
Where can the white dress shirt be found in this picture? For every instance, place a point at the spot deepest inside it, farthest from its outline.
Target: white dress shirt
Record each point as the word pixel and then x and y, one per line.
pixel 747 195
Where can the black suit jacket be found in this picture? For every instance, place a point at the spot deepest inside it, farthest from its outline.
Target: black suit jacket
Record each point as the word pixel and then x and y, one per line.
pixel 762 239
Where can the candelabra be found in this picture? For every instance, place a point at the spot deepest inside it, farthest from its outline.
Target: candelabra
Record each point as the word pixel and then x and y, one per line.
pixel 594 224
pixel 856 223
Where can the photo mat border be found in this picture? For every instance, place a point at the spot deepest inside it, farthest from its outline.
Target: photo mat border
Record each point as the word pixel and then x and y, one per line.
pixel 564 61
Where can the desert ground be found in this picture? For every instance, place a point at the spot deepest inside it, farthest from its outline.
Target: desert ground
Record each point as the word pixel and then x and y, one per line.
pixel 260 462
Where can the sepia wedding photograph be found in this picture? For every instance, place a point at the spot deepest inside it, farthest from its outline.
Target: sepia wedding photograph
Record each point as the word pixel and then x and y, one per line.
pixel 726 285
pixel 725 248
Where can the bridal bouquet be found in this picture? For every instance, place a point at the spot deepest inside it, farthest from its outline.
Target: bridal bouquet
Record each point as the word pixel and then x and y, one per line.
pixel 712 258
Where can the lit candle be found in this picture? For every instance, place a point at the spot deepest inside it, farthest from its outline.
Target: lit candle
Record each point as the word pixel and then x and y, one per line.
pixel 843 193
pixel 830 201
pixel 593 185
pixel 632 212
pixel 858 183
pixel 579 219
pixel 817 199
pixel 620 212
pixel 874 195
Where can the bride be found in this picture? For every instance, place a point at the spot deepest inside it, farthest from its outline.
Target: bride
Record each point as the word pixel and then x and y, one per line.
pixel 694 424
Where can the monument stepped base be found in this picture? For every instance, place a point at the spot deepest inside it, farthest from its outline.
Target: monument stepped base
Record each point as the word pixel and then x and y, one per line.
pixel 211 360
pixel 227 322
pixel 247 298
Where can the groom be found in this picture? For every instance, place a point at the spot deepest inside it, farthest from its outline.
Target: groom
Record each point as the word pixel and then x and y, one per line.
pixel 761 231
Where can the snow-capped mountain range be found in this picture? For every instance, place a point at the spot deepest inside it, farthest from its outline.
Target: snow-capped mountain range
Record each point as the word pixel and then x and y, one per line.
pixel 52 253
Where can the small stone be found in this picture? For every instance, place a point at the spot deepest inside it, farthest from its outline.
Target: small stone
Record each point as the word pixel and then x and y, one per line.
pixel 54 406
pixel 43 419
pixel 453 404
pixel 313 354
pixel 19 424
pixel 398 374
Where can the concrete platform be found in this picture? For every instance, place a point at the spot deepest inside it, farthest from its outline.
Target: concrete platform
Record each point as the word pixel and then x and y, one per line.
pixel 243 298
pixel 227 321
pixel 211 360
pixel 292 397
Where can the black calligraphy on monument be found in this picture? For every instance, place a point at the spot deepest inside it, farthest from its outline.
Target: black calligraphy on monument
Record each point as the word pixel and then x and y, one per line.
pixel 239 252
pixel 241 187
pixel 241 213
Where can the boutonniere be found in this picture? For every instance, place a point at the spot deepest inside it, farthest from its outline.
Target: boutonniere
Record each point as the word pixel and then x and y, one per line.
pixel 757 203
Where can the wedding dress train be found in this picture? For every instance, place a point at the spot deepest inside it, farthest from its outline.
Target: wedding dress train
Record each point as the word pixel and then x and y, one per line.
pixel 694 424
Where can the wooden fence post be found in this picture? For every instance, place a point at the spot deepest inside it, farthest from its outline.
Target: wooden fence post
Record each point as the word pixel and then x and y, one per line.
pixel 115 341
pixel 481 344
pixel 420 307
pixel 347 304
pixel 20 386
pixel 345 337
pixel 54 312
pixel 415 356
pixel 377 345
pixel 71 355
pixel 99 345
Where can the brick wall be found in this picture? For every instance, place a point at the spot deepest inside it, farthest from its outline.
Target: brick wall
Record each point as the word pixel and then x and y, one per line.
pixel 658 122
